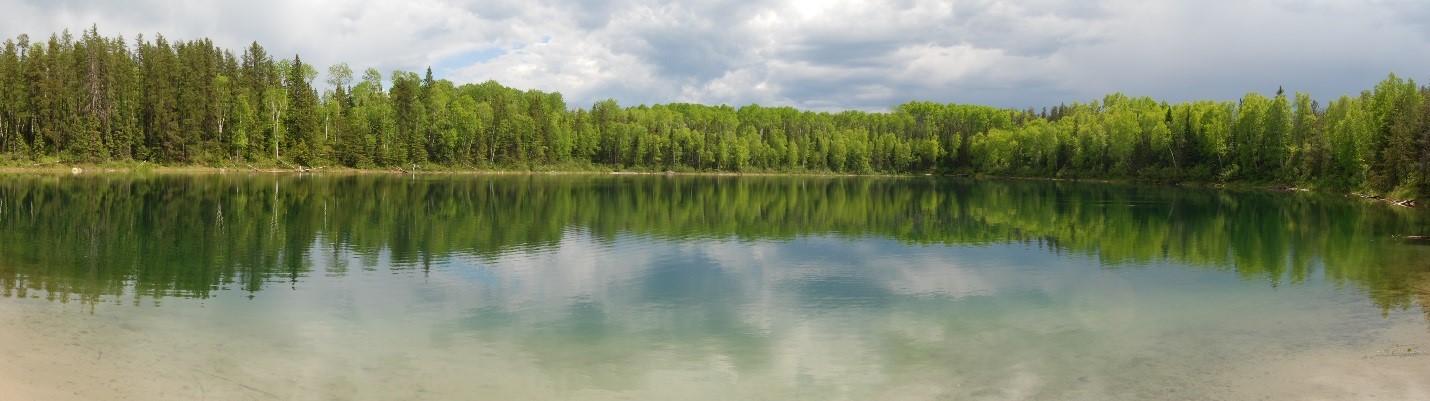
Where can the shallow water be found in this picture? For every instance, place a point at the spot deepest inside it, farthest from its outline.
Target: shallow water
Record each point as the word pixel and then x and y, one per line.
pixel 595 287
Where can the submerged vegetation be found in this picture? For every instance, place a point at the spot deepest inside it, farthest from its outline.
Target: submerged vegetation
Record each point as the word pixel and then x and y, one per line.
pixel 93 99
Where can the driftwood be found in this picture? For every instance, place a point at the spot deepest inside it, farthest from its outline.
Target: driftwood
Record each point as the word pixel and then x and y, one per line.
pixel 1417 240
pixel 1403 203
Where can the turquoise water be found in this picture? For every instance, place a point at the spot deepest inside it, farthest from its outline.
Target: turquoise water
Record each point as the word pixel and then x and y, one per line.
pixel 597 287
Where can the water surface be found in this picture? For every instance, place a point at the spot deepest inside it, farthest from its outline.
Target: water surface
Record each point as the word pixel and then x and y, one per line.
pixel 652 287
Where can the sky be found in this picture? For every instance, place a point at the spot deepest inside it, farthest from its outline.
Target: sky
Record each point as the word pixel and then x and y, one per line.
pixel 818 55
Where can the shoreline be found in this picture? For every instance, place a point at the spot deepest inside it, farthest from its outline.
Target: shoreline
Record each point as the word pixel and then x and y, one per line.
pixel 81 169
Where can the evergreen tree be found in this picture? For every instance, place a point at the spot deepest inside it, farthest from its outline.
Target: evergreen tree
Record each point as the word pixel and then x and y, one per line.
pixel 301 121
pixel 92 99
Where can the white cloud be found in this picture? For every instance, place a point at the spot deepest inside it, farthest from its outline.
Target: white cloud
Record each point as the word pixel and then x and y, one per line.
pixel 811 54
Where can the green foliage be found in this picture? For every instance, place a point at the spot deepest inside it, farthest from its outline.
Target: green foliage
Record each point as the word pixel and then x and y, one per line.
pixel 96 100
pixel 301 122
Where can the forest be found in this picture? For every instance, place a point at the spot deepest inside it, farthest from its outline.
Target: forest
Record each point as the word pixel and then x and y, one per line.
pixel 96 99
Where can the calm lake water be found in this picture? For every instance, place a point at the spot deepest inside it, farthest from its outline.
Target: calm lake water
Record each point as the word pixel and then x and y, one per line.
pixel 650 287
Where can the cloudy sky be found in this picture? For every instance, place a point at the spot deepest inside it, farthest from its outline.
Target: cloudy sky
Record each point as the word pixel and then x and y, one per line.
pixel 824 55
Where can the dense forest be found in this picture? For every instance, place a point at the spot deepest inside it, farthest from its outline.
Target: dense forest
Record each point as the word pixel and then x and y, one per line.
pixel 94 99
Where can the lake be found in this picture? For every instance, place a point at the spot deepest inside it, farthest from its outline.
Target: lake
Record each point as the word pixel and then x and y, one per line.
pixel 436 287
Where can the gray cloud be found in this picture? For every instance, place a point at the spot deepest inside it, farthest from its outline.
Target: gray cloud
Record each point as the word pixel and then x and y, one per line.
pixel 807 53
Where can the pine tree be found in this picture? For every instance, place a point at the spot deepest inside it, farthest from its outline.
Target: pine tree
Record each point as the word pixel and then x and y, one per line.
pixel 301 122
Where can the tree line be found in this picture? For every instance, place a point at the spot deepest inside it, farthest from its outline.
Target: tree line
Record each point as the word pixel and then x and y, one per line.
pixel 94 99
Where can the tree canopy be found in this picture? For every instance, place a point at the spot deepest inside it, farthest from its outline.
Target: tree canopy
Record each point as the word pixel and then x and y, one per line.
pixel 94 99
